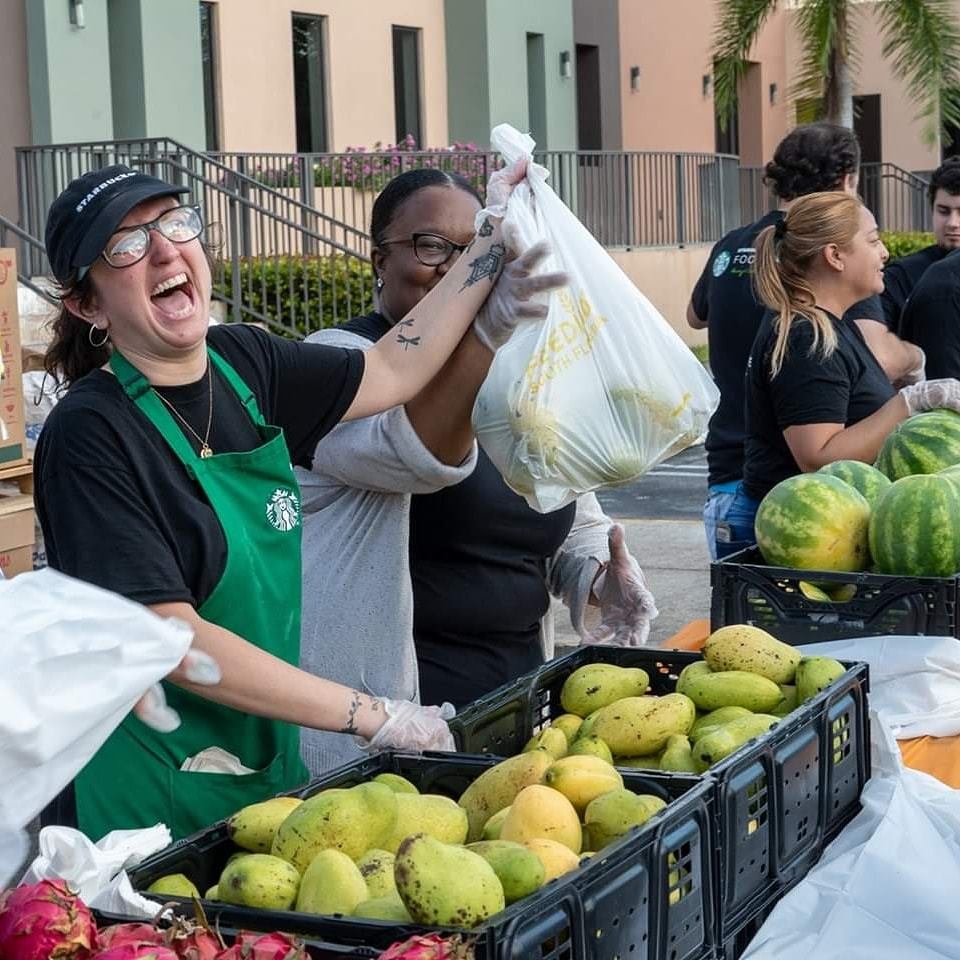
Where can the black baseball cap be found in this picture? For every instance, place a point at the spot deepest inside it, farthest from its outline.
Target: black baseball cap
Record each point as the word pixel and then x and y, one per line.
pixel 84 217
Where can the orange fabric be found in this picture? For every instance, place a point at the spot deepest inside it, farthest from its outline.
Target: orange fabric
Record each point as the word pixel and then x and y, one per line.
pixel 938 756
pixel 691 637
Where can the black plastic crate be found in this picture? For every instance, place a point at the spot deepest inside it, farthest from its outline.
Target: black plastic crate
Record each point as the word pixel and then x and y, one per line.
pixel 615 905
pixel 745 590
pixel 779 799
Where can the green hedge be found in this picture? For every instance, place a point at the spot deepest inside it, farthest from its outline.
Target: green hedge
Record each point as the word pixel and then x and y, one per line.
pixel 297 295
pixel 901 244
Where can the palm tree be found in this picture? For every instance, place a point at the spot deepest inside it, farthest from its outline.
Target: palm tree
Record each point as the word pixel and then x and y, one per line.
pixel 921 38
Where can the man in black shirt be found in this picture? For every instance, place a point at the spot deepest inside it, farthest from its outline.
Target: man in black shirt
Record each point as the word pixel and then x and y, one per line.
pixel 931 318
pixel 811 158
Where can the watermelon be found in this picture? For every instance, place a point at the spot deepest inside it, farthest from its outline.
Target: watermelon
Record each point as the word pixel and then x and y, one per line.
pixel 952 472
pixel 926 443
pixel 814 522
pixel 867 480
pixel 915 528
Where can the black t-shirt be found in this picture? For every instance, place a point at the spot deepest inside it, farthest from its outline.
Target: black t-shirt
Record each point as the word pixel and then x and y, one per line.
pixel 116 505
pixel 845 387
pixel 478 558
pixel 931 318
pixel 900 279
pixel 724 298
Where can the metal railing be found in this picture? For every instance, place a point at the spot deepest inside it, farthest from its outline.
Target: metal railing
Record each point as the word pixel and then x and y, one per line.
pixel 897 197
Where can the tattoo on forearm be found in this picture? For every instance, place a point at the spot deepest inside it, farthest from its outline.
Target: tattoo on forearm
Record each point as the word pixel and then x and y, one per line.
pixel 408 341
pixel 351 726
pixel 486 228
pixel 486 265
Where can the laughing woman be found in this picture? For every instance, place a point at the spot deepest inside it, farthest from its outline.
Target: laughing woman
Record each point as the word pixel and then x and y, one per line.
pixel 165 475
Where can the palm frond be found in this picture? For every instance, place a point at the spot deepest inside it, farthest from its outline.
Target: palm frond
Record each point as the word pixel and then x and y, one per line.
pixel 738 24
pixel 921 38
pixel 828 41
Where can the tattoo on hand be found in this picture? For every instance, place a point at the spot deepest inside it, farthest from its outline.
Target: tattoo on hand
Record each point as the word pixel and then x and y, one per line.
pixel 486 228
pixel 351 726
pixel 486 265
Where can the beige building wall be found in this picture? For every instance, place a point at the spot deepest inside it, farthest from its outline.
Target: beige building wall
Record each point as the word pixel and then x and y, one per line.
pixel 14 100
pixel 256 71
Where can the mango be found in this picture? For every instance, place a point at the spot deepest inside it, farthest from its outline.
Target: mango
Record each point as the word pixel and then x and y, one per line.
pixel 638 726
pixel 353 821
pixel 332 884
pixel 586 728
pixel 788 700
pixel 812 592
pixel 213 893
pixel 742 647
pixel 733 688
pixel 613 814
pixel 431 813
pixel 595 685
pixel 554 741
pixel 678 755
pixel 582 779
pixel 259 880
pixel 716 718
pixel 518 869
pixel 590 747
pixel 721 742
pixel 445 885
pixel 815 674
pixel 495 788
pixel 390 907
pixel 395 782
pixel 376 868
pixel 555 857
pixel 691 670
pixel 492 828
pixel 255 826
pixel 650 761
pixel 539 811
pixel 174 885
pixel 569 723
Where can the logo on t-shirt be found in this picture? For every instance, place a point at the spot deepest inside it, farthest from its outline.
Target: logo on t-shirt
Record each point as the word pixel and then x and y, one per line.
pixel 283 510
pixel 720 263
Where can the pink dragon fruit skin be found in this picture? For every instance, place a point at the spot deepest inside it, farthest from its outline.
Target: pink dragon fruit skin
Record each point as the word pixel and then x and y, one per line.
pixel 45 921
pixel 264 946
pixel 121 933
pixel 430 947
pixel 190 941
pixel 136 951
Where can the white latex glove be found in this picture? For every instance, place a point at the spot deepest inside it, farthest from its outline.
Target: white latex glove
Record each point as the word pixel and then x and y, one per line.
pixel 626 605
pixel 510 302
pixel 499 187
pixel 152 708
pixel 932 395
pixel 919 372
pixel 410 726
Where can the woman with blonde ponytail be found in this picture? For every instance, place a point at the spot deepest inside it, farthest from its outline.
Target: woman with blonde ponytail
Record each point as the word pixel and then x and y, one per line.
pixel 815 392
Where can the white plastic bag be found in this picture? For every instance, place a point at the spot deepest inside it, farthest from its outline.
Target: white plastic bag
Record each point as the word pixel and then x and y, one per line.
pixel 600 391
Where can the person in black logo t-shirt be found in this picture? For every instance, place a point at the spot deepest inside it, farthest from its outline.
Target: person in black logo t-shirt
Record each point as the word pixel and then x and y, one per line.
pixel 812 157
pixel 815 392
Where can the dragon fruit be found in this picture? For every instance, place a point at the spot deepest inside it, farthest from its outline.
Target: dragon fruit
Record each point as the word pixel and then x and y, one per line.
pixel 193 941
pixel 264 946
pixel 45 921
pixel 432 947
pixel 136 951
pixel 121 933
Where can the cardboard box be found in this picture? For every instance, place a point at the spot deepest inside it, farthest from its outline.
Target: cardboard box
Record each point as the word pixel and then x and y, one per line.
pixel 17 524
pixel 12 438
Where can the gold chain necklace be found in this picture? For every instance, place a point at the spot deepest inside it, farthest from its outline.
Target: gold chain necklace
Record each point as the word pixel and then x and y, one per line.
pixel 205 450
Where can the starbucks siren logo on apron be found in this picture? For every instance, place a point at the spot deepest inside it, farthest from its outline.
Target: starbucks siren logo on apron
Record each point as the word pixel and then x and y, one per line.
pixel 283 510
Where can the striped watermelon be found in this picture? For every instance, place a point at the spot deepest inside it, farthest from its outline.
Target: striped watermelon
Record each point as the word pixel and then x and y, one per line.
pixel 814 522
pixel 915 528
pixel 952 472
pixel 867 480
pixel 925 443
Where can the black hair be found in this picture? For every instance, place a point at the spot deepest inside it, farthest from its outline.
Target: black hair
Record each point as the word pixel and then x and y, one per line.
pixel 945 177
pixel 404 186
pixel 812 158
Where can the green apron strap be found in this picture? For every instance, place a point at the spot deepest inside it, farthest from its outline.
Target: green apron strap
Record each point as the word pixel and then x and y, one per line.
pixel 240 388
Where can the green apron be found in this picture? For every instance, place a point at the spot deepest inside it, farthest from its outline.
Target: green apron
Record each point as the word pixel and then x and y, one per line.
pixel 135 778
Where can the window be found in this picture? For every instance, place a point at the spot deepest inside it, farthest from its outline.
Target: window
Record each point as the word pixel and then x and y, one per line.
pixel 406 83
pixel 310 83
pixel 727 136
pixel 537 89
pixel 208 57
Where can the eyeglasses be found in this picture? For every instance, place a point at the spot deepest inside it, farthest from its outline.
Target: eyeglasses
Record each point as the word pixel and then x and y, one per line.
pixel 129 245
pixel 430 249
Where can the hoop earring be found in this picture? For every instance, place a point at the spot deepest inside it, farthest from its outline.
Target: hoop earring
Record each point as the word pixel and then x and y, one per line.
pixel 379 284
pixel 97 344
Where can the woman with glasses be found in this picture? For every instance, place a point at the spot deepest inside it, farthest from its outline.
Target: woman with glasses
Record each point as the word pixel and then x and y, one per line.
pixel 164 474
pixel 499 559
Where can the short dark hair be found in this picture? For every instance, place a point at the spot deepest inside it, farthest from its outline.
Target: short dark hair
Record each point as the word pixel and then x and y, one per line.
pixel 945 177
pixel 404 186
pixel 812 158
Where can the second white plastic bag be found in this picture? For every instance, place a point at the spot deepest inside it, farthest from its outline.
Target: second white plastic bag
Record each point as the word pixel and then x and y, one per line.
pixel 600 391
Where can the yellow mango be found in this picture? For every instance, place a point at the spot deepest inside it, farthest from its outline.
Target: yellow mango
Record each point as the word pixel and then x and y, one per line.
pixel 539 811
